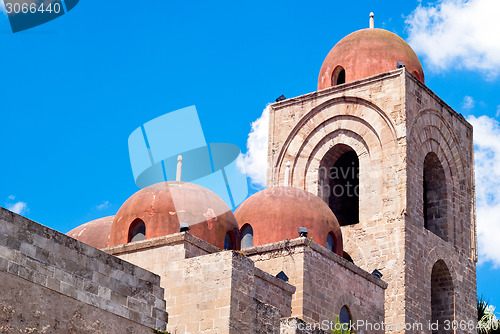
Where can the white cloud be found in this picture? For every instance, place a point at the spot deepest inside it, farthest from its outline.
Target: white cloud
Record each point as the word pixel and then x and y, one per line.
pixel 457 33
pixel 103 206
pixel 468 102
pixel 254 162
pixel 18 207
pixel 12 197
pixel 498 111
pixel 487 170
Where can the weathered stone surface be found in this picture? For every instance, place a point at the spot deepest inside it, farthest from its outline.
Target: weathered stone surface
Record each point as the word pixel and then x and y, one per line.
pixel 210 291
pixel 392 121
pixel 72 270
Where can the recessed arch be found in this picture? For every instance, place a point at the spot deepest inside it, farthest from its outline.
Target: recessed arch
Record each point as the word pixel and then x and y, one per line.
pixel 246 236
pixel 339 181
pixel 137 231
pixel 330 242
pixel 229 243
pixel 338 76
pixel 385 124
pixel 435 196
pixel 442 297
pixel 345 317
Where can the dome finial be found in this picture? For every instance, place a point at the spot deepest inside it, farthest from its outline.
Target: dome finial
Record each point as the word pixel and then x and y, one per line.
pixel 179 168
pixel 372 21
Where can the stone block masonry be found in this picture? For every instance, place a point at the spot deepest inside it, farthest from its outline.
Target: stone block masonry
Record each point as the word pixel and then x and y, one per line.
pixel 55 284
pixel 208 290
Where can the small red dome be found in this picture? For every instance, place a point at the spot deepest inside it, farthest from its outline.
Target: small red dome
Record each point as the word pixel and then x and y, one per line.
pixel 163 206
pixel 365 53
pixel 277 213
pixel 94 233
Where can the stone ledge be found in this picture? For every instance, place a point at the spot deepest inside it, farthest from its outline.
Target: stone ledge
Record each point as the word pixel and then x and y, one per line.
pixel 306 243
pixel 339 88
pixel 162 241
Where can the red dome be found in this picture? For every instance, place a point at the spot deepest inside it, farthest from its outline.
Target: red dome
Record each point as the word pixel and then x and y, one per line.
pixel 277 213
pixel 162 206
pixel 365 53
pixel 94 233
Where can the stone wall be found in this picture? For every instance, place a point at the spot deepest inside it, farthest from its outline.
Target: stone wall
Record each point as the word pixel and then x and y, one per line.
pixel 368 116
pixel 324 282
pixel 55 283
pixel 392 121
pixel 432 126
pixel 210 291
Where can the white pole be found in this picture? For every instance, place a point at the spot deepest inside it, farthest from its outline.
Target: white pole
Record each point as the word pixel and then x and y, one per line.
pixel 372 21
pixel 179 168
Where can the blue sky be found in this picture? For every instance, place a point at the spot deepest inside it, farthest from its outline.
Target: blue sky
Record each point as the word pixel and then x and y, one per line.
pixel 75 88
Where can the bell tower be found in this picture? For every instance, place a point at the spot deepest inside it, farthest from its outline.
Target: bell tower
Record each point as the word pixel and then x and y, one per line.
pixel 395 164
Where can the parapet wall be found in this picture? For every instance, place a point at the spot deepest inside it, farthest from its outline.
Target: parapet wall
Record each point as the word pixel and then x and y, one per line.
pixel 208 290
pixel 55 283
pixel 325 282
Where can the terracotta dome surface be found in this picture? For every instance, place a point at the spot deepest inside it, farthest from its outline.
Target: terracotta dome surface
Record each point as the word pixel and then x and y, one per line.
pixel 163 206
pixel 94 233
pixel 277 213
pixel 368 52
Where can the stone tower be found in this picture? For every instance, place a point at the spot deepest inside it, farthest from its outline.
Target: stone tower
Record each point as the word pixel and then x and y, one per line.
pixel 395 164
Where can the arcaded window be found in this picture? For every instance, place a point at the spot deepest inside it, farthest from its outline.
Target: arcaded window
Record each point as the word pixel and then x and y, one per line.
pixel 330 242
pixel 339 183
pixel 229 241
pixel 338 76
pixel 137 231
pixel 442 297
pixel 246 236
pixel 435 197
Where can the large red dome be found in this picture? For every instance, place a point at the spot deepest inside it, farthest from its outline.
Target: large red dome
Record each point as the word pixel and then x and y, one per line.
pixel 163 206
pixel 277 213
pixel 365 53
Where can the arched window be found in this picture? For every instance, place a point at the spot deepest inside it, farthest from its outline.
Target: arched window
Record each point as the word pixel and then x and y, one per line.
pixel 246 236
pixel 338 76
pixel 137 231
pixel 330 242
pixel 339 183
pixel 229 241
pixel 345 316
pixel 442 296
pixel 435 197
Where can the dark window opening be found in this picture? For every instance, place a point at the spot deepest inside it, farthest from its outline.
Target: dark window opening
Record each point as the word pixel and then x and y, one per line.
pixel 345 315
pixel 330 242
pixel 442 297
pixel 435 197
pixel 344 187
pixel 341 77
pixel 246 236
pixel 137 231
pixel 228 241
pixel 338 76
